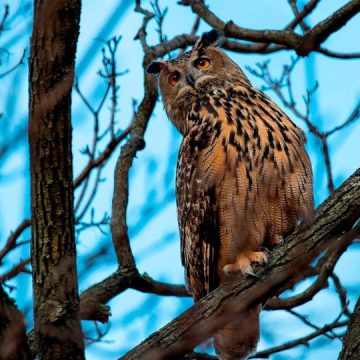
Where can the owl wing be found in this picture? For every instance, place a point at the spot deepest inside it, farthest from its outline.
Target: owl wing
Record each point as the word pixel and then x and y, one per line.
pixel 274 178
pixel 197 216
pixel 283 166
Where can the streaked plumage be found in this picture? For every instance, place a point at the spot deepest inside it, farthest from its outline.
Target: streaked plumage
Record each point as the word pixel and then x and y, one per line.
pixel 243 180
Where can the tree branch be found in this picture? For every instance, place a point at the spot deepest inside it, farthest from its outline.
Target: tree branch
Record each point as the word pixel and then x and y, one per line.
pixel 16 269
pixel 300 341
pixel 11 241
pixel 320 32
pixel 324 269
pixel 300 16
pixel 281 37
pixel 351 343
pixel 287 39
pixel 335 216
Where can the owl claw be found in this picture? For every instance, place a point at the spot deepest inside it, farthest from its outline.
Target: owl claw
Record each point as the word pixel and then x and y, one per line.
pixel 243 263
pixel 233 268
pixel 264 260
pixel 252 274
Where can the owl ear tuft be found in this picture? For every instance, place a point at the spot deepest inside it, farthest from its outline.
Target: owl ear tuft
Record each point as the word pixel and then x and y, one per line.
pixel 210 38
pixel 155 67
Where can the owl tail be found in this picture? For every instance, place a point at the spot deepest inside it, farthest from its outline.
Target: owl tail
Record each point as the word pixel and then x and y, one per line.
pixel 238 340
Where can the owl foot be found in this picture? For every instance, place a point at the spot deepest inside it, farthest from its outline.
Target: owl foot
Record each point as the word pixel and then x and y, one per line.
pixel 243 262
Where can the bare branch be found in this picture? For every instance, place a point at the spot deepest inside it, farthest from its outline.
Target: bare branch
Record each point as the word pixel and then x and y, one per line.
pixel 287 39
pixel 305 320
pixel 128 152
pixel 301 341
pixel 4 17
pixel 121 185
pixel 337 55
pixel 342 294
pixel 340 211
pixel 17 269
pixel 93 299
pixel 20 62
pixel 300 16
pixel 159 18
pixel 101 159
pixel 355 115
pixel 141 35
pixel 324 268
pixel 11 242
pixel 146 284
pixel 320 32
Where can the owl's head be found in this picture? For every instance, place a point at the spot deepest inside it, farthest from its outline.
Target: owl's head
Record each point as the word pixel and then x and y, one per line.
pixel 185 79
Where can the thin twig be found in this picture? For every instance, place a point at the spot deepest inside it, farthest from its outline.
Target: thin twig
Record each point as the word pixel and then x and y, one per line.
pixel 16 270
pixel 20 62
pixel 300 341
pixel 5 15
pixel 11 241
pixel 300 16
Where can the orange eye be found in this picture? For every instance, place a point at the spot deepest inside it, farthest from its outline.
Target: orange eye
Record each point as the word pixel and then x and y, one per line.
pixel 202 63
pixel 174 78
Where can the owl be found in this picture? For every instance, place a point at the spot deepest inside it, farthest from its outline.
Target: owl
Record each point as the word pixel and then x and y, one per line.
pixel 243 180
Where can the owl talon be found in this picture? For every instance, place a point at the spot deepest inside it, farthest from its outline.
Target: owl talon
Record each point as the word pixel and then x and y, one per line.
pixel 256 256
pixel 243 263
pixel 235 267
pixel 253 275
pixel 264 261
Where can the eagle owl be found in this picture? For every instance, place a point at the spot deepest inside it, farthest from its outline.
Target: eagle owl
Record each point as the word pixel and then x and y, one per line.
pixel 244 179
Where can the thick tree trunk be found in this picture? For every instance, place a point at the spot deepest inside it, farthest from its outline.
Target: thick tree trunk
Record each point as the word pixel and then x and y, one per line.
pixel 13 342
pixel 351 343
pixel 56 303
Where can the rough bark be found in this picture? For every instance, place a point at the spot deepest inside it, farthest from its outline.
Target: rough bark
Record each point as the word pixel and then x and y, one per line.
pixel 13 342
pixel 56 303
pixel 351 342
pixel 121 180
pixel 334 217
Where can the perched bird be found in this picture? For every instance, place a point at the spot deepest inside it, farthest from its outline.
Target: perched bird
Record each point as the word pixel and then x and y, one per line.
pixel 243 181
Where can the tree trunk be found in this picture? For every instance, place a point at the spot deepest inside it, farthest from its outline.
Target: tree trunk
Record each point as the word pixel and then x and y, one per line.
pixel 56 303
pixel 351 342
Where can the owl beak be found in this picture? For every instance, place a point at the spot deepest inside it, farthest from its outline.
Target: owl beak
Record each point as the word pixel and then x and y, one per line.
pixel 190 80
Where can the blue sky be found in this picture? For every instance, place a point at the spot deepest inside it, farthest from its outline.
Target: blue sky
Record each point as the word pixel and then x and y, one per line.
pixel 154 236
